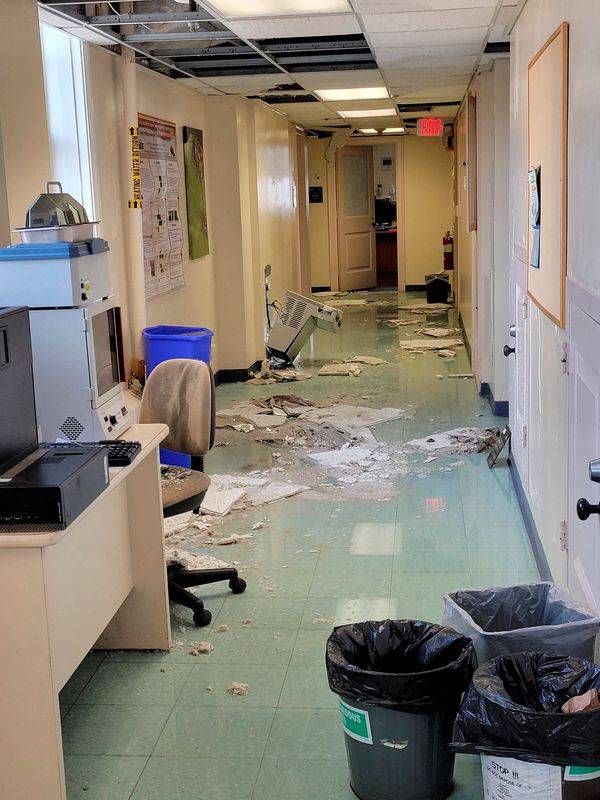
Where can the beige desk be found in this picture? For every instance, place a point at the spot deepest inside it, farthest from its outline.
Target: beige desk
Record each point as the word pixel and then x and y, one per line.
pixel 99 583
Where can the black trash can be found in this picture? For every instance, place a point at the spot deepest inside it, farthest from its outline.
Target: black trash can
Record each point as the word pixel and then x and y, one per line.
pixel 437 287
pixel 531 749
pixel 399 685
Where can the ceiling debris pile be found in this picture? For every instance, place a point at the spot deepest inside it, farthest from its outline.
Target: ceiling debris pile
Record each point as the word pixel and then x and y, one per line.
pixel 457 441
pixel 266 375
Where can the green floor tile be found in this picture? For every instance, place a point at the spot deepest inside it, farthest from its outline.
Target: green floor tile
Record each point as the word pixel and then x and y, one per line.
pixel 307 687
pixel 270 612
pixel 306 733
pixel 310 648
pixel 220 732
pixel 347 584
pixel 113 730
pixel 303 779
pixel 80 678
pixel 208 683
pixel 102 777
pixel 150 684
pixel 192 778
pixel 253 645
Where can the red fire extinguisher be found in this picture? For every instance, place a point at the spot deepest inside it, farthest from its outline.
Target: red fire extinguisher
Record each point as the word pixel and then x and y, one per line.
pixel 448 244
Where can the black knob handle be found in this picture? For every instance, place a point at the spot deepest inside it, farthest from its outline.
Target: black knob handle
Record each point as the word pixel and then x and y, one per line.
pixel 585 509
pixel 508 350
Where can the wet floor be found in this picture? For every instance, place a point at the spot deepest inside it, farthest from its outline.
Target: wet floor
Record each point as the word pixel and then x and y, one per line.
pixel 151 726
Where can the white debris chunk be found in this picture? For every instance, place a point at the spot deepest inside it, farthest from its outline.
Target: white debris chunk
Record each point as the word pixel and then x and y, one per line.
pixel 220 501
pixel 371 361
pixel 446 353
pixel 222 628
pixel 460 374
pixel 238 688
pixel 192 560
pixel 438 333
pixel 341 458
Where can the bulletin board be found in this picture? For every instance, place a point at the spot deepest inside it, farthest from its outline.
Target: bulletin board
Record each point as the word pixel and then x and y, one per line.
pixel 548 82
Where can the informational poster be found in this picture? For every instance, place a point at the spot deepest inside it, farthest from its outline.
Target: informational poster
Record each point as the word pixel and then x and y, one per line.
pixel 159 177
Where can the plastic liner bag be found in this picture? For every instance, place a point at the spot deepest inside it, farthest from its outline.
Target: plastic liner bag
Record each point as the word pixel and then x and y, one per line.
pixel 526 617
pixel 513 709
pixel 406 664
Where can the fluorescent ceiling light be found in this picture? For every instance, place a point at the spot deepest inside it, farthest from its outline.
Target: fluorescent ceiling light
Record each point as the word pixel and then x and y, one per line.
pixel 368 130
pixel 385 130
pixel 277 8
pixel 331 95
pixel 368 112
pixel 394 130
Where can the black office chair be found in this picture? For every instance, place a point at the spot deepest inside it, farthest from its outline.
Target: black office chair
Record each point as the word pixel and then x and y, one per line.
pixel 181 394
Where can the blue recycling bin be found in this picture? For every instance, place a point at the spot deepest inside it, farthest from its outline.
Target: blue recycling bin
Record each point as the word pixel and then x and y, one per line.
pixel 163 342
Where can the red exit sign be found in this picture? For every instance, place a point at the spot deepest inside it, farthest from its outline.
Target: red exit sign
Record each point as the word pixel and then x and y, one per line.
pixel 431 126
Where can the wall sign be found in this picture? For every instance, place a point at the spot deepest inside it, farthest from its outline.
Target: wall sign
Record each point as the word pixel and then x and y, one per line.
pixel 315 194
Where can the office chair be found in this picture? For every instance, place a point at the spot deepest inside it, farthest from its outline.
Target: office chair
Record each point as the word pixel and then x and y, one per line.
pixel 181 394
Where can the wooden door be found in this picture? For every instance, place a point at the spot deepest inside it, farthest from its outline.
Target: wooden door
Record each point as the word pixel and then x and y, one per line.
pixel 355 217
pixel 584 445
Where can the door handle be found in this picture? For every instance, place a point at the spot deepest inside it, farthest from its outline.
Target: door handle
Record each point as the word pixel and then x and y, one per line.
pixel 513 331
pixel 586 509
pixel 508 350
pixel 595 470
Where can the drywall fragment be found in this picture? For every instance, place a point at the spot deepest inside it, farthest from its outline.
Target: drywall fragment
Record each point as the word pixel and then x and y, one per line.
pixel 460 374
pixel 438 333
pixel 441 377
pixel 334 370
pixel 201 648
pixel 457 441
pixel 220 501
pixel 371 361
pixel 234 539
pixel 257 526
pixel 347 456
pixel 429 459
pixel 192 560
pixel 247 621
pixel 421 345
pixel 426 307
pixel 222 628
pixel 238 688
pixel 446 353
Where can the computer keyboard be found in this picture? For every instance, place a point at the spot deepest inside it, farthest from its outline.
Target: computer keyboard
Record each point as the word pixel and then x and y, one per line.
pixel 120 451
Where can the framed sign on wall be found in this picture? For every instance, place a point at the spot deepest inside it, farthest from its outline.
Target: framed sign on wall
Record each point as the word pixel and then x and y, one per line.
pixel 548 81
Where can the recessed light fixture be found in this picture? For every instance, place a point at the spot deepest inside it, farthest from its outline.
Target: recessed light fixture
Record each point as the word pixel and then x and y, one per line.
pixel 394 130
pixel 278 8
pixel 332 95
pixel 368 130
pixel 372 131
pixel 368 112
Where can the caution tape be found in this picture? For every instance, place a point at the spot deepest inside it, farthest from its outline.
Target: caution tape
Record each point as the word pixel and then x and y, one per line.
pixel 136 200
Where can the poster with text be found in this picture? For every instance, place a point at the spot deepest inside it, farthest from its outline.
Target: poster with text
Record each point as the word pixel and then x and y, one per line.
pixel 161 220
pixel 195 192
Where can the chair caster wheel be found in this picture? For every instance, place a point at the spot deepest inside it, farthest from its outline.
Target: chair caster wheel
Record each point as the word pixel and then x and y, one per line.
pixel 202 618
pixel 237 585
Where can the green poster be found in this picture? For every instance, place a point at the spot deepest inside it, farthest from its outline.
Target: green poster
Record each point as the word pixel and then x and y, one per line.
pixel 195 193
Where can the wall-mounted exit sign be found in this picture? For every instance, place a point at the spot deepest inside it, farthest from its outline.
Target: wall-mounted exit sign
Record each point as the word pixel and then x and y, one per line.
pixel 430 126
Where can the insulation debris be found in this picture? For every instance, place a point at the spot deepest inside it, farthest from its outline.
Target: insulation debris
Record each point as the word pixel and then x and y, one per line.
pixel 238 688
pixel 457 441
pixel 201 648
pixel 333 370
pixel 222 628
pixel 422 345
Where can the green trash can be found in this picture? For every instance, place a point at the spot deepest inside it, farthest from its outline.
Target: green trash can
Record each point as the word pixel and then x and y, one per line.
pixel 399 685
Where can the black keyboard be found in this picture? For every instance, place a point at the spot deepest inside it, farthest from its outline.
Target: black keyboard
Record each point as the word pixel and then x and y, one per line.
pixel 120 452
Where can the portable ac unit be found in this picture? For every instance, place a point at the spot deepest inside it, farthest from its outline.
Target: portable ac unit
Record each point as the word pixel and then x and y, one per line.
pixel 296 322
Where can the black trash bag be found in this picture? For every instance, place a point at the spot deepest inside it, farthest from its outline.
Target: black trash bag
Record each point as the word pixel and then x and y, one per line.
pixel 404 664
pixel 512 709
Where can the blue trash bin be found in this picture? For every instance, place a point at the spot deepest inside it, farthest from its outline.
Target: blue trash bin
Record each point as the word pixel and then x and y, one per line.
pixel 163 342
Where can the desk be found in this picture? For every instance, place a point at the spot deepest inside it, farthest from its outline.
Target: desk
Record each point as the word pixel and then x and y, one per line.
pixel 99 583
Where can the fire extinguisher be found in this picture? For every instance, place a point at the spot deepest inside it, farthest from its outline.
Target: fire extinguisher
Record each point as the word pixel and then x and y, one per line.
pixel 448 244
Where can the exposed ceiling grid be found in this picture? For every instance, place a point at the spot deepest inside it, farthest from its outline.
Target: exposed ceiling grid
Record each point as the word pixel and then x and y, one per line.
pixel 424 52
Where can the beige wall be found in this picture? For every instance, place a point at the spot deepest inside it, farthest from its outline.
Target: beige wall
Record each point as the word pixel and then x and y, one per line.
pixel 25 149
pixel 427 204
pixel 251 218
pixel 318 222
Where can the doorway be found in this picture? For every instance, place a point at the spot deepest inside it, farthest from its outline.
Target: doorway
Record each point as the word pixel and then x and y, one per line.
pixel 370 253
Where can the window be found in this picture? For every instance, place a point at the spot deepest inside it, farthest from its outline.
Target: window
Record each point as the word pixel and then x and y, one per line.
pixel 66 103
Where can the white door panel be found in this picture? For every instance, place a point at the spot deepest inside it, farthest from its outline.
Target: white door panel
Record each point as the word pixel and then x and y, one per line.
pixel 355 203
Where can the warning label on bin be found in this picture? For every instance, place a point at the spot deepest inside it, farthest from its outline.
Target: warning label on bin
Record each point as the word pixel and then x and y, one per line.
pixel 511 779
pixel 356 723
pixel 578 774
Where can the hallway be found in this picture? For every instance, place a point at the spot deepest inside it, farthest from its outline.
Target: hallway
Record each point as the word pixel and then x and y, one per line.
pixel 152 726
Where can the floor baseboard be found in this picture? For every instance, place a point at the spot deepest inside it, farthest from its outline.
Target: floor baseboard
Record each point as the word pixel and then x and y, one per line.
pixel 530 526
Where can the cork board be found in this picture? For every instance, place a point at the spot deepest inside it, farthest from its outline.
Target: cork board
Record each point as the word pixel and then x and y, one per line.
pixel 548 84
